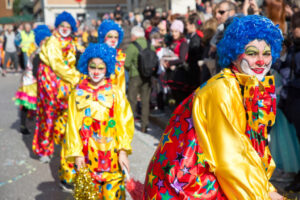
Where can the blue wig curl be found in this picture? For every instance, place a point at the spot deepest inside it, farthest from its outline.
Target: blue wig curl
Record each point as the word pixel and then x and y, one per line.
pixel 40 33
pixel 66 17
pixel 102 51
pixel 106 26
pixel 243 30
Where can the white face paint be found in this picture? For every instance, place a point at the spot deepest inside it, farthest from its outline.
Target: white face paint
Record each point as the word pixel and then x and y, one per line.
pixel 112 44
pixel 247 70
pixel 257 59
pixel 112 38
pixel 63 32
pixel 96 77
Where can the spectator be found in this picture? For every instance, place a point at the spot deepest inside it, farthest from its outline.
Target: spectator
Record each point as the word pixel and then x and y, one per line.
pixel 136 82
pixel 10 49
pixel 291 70
pixel 138 18
pixel 224 10
pixel 131 18
pixel 118 13
pixel 27 37
pixel 93 36
pixel 148 13
pixel 195 52
pixel 176 69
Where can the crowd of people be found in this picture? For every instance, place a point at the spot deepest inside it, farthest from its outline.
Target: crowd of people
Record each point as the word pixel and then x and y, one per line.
pixel 214 64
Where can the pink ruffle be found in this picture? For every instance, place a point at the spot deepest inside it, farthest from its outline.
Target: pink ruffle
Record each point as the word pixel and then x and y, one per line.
pixel 25 97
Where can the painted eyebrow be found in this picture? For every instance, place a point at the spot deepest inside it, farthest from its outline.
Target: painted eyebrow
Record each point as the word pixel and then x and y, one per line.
pixel 251 48
pixel 267 48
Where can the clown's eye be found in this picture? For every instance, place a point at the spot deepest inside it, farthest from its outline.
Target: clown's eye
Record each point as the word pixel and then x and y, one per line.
pixel 251 53
pixel 267 53
pixel 92 66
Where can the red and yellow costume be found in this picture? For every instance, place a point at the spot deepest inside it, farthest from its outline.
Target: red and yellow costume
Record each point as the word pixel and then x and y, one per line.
pixel 56 76
pixel 100 124
pixel 215 145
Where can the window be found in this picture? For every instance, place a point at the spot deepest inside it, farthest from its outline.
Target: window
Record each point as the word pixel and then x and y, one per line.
pixel 9 4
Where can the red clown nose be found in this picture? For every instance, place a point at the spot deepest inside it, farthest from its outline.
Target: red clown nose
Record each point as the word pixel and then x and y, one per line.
pixel 260 62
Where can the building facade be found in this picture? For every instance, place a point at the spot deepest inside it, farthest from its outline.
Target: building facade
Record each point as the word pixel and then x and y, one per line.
pixel 6 8
pixel 47 10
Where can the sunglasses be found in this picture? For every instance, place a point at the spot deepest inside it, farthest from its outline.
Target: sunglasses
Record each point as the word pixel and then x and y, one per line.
pixel 221 12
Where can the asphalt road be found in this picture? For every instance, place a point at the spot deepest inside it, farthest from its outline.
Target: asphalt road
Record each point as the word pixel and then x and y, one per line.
pixel 23 177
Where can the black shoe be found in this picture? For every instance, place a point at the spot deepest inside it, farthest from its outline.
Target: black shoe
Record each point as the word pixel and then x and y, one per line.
pixel 66 187
pixel 295 185
pixel 24 131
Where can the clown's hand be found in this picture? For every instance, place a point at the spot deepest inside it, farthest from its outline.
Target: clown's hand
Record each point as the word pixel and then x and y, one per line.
pixel 123 160
pixel 79 162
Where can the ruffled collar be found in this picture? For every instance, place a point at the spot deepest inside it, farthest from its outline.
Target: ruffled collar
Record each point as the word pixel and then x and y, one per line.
pixel 88 97
pixel 259 100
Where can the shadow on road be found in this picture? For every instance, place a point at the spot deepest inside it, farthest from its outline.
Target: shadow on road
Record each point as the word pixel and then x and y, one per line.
pixel 51 190
pixel 26 138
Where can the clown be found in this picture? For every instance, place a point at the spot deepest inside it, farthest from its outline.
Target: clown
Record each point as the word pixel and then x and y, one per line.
pixel 215 145
pixel 112 34
pixel 27 92
pixel 56 76
pixel 100 123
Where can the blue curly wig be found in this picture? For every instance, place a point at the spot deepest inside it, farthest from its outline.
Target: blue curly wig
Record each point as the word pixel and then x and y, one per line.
pixel 102 51
pixel 40 33
pixel 243 30
pixel 106 26
pixel 66 17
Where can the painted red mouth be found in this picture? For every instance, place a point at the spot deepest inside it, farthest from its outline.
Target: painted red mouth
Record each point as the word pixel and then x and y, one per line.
pixel 258 70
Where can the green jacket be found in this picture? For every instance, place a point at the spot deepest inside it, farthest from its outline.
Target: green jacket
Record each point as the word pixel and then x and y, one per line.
pixel 131 61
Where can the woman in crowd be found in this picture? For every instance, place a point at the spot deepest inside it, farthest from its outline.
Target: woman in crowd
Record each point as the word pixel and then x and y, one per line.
pixel 100 123
pixel 216 143
pixel 176 74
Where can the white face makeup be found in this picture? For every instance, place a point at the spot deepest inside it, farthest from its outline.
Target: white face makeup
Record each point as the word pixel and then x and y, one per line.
pixel 96 78
pixel 96 69
pixel 112 38
pixel 256 60
pixel 64 29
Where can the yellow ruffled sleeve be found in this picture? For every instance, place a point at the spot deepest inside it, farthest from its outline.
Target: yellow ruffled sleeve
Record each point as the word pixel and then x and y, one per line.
pixel 118 78
pixel 220 121
pixel 125 122
pixel 72 142
pixel 52 56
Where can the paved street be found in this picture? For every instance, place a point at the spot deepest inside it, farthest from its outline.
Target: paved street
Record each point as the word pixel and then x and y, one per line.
pixel 23 177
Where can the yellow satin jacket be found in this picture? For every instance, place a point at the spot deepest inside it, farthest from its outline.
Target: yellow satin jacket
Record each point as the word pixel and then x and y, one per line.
pixel 60 56
pixel 219 118
pixel 100 124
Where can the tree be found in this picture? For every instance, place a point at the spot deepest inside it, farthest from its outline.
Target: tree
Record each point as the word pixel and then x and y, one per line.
pixel 17 7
